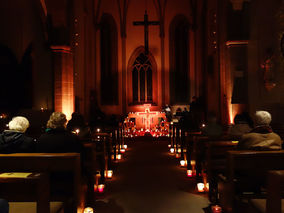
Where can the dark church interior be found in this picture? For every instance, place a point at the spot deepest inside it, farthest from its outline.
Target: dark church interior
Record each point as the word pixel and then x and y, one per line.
pixel 142 106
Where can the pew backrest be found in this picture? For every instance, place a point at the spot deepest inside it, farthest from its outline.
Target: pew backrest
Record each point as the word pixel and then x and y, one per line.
pixel 216 153
pixel 47 163
pixel 253 162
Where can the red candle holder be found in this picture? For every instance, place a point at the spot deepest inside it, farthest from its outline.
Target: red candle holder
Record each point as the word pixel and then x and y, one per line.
pixel 216 209
pixel 189 173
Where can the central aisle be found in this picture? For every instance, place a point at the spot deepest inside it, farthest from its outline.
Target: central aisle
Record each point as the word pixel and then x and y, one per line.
pixel 148 180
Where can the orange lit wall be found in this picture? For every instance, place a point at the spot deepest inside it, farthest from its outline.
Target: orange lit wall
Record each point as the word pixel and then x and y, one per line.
pixel 233 109
pixel 63 80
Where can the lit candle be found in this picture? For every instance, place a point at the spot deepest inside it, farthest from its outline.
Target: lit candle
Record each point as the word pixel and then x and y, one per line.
pixel 95 187
pixel 98 130
pixel 189 173
pixel 122 150
pixel 169 145
pixel 216 209
pixel 172 150
pixel 179 150
pixel 118 156
pixel 177 155
pixel 77 131
pixel 109 173
pixel 207 187
pixel 182 162
pixel 101 188
pixel 125 146
pixel 88 210
pixel 200 187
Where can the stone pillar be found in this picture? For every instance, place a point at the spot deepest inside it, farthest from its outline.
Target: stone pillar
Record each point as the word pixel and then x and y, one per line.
pixel 63 80
pixel 238 4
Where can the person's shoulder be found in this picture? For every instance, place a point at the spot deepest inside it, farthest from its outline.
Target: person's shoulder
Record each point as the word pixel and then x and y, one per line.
pixel 275 135
pixel 249 136
pixel 28 138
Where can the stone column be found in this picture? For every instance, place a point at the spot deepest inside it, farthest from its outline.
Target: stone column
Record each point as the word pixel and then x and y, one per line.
pixel 63 80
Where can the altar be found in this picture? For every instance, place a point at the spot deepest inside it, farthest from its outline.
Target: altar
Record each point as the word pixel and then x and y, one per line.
pixel 141 123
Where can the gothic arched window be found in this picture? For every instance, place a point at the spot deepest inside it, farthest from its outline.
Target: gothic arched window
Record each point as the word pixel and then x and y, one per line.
pixel 108 50
pixel 179 60
pixel 142 79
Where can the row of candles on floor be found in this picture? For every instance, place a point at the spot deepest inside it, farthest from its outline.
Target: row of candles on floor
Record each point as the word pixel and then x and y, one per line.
pixel 108 175
pixel 201 187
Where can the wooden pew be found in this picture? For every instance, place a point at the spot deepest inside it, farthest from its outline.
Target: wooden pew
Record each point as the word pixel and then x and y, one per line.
pixel 246 176
pixel 90 167
pixel 215 163
pixel 202 143
pixel 66 190
pixel 274 200
pixel 26 187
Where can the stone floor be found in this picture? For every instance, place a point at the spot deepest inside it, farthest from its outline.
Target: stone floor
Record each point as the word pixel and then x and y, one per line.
pixel 148 180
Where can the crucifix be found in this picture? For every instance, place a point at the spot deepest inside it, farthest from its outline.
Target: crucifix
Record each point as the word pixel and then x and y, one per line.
pixel 146 24
pixel 147 117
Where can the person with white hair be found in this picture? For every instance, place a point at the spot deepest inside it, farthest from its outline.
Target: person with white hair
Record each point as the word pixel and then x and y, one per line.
pixel 14 140
pixel 261 137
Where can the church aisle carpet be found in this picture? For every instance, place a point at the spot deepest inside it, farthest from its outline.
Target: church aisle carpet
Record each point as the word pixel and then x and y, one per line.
pixel 148 180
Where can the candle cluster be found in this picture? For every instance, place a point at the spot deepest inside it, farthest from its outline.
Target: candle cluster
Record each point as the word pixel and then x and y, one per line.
pixel 88 210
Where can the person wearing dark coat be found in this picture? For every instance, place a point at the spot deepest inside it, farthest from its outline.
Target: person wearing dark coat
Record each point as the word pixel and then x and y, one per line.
pixel 14 140
pixel 57 139
pixel 77 123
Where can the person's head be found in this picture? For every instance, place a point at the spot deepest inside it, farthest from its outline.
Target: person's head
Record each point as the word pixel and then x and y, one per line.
pixel 262 118
pixel 19 124
pixel 240 119
pixel 57 120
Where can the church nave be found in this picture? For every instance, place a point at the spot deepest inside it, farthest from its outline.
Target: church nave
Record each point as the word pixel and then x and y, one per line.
pixel 148 179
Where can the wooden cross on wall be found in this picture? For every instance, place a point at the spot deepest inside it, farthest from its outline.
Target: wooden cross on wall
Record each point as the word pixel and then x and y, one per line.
pixel 146 24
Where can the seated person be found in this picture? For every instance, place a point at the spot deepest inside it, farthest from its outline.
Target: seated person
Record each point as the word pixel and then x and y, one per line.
pixel 57 139
pixel 4 206
pixel 14 140
pixel 261 137
pixel 240 126
pixel 77 122
pixel 212 129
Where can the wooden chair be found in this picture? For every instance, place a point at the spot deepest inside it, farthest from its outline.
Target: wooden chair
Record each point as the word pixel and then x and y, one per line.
pixel 64 170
